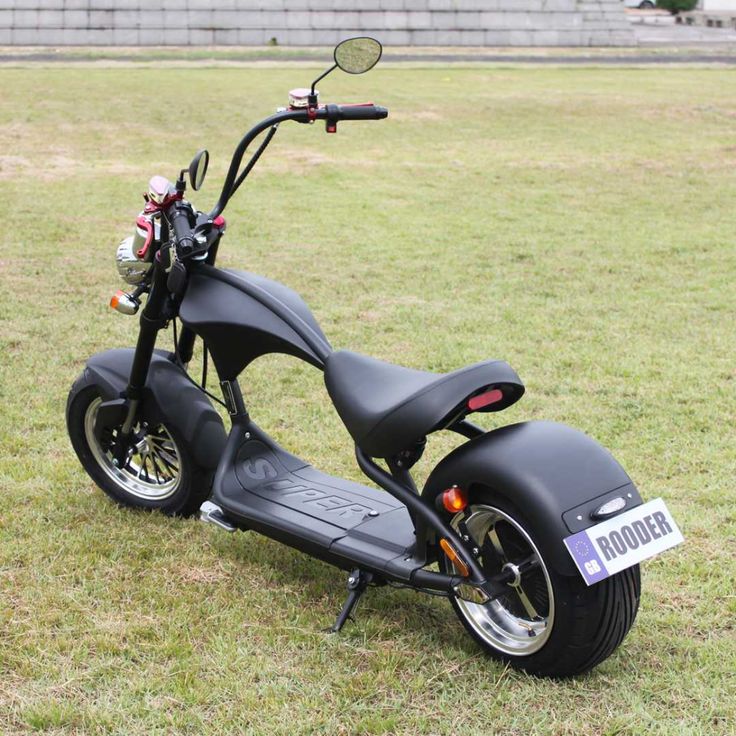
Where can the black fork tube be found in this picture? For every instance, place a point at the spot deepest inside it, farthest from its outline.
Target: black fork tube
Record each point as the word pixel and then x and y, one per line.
pixel 151 322
pixel 185 348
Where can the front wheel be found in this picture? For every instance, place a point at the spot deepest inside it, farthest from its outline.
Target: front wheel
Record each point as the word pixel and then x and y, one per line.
pixel 160 471
pixel 547 624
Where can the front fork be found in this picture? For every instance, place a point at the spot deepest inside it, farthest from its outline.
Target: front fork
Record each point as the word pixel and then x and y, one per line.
pixel 153 318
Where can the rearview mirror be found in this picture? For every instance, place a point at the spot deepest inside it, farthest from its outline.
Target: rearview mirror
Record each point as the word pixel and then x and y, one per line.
pixel 198 169
pixel 358 55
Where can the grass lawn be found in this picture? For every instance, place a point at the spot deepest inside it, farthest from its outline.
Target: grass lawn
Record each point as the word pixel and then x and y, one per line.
pixel 578 223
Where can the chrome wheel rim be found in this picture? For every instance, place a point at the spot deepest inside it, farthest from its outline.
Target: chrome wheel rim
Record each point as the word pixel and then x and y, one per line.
pixel 152 470
pixel 520 622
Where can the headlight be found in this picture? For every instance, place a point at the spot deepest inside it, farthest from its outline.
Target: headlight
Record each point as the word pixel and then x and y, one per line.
pixel 131 269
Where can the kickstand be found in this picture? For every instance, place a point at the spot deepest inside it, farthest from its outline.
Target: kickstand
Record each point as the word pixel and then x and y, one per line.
pixel 357 583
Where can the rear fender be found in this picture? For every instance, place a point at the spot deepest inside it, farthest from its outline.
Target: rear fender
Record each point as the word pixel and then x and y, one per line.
pixel 168 397
pixel 554 475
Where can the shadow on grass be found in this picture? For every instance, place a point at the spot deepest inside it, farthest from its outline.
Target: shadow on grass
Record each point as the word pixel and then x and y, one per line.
pixel 316 586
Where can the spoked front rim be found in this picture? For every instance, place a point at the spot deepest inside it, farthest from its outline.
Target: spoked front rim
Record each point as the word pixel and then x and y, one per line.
pixel 520 622
pixel 152 470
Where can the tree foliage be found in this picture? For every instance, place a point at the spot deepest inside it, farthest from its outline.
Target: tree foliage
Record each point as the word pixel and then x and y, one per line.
pixel 677 6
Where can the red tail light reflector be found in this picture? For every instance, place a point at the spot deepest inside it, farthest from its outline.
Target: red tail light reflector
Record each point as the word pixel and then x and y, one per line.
pixel 486 399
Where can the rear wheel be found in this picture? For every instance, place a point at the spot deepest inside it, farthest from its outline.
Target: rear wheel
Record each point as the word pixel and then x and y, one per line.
pixel 160 471
pixel 547 624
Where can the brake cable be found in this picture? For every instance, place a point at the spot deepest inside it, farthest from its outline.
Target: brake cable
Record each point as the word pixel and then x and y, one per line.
pixel 204 365
pixel 254 160
pixel 248 168
pixel 186 374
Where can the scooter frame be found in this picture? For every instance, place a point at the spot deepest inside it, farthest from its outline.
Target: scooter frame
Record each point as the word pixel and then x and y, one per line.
pixel 240 317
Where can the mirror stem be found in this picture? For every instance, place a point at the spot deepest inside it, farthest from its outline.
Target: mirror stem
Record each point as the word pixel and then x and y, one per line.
pixel 181 185
pixel 312 96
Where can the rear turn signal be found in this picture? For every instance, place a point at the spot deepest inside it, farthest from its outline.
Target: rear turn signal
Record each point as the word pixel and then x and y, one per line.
pixel 454 500
pixel 454 557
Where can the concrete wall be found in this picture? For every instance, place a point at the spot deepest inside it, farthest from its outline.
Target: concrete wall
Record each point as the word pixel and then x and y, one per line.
pixel 717 5
pixel 314 22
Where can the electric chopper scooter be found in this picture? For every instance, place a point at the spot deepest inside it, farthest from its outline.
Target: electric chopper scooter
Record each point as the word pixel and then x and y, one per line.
pixel 532 531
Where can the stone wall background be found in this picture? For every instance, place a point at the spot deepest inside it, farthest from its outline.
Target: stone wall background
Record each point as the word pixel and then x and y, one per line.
pixel 313 22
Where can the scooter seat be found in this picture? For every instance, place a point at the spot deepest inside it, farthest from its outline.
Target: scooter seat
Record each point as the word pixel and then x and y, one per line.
pixel 388 408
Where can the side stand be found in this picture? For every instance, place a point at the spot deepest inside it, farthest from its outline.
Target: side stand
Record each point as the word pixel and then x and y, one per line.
pixel 357 583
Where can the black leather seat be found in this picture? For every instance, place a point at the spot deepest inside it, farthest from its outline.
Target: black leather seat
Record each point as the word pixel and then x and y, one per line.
pixel 388 408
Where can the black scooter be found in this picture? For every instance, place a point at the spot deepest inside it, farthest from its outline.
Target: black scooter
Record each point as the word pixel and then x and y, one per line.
pixel 533 531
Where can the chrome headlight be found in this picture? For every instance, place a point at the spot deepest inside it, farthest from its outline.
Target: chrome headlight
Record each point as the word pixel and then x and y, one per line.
pixel 131 269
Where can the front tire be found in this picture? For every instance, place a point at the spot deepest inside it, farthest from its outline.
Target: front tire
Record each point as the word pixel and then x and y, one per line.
pixel 160 472
pixel 548 624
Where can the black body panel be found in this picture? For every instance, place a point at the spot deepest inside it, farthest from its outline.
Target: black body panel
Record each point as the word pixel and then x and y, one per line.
pixel 338 502
pixel 242 316
pixel 388 408
pixel 168 396
pixel 545 469
pixel 344 523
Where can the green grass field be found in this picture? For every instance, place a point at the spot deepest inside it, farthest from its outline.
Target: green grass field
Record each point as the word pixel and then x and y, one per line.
pixel 578 223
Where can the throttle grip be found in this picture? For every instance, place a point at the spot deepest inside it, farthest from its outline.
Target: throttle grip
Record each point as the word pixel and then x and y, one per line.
pixel 366 111
pixel 179 220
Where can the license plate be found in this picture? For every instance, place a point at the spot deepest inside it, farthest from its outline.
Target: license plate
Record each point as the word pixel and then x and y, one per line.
pixel 615 544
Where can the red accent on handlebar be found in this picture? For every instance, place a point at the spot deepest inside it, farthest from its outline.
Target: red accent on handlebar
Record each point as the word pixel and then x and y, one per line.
pixel 147 225
pixel 152 206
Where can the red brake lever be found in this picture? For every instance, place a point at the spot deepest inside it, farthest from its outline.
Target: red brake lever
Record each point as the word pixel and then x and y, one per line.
pixel 147 225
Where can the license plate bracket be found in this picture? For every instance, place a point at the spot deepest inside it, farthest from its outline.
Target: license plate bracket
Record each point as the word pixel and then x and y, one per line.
pixel 623 541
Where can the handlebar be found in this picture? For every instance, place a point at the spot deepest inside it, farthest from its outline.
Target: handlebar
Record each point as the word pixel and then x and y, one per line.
pixel 180 214
pixel 331 113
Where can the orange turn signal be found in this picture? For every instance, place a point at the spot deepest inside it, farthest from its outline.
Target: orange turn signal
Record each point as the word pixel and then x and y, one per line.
pixel 454 557
pixel 116 299
pixel 454 500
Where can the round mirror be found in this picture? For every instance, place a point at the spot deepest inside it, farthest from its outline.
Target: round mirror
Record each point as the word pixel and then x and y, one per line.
pixel 358 55
pixel 198 169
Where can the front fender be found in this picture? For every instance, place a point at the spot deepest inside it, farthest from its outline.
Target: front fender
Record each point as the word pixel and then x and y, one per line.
pixel 168 397
pixel 551 473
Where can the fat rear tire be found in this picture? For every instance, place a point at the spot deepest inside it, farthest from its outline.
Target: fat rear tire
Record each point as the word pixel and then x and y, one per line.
pixel 586 624
pixel 175 485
